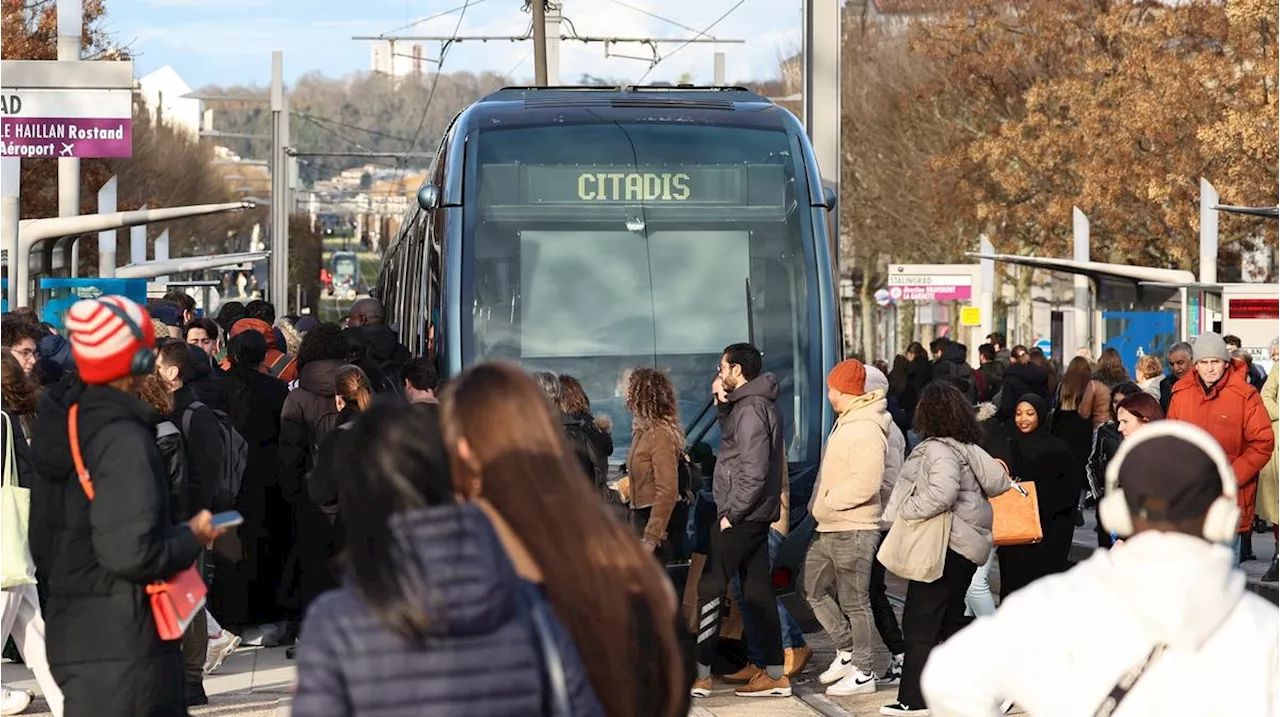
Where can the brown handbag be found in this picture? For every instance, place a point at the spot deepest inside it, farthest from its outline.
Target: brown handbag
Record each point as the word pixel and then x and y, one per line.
pixel 1016 519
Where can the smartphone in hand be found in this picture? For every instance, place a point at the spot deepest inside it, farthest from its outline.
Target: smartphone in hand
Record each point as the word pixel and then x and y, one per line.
pixel 227 519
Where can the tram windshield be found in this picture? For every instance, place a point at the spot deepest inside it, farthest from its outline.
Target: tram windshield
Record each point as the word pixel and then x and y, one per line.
pixel 594 248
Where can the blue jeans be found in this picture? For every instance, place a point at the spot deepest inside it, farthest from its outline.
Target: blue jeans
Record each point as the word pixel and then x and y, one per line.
pixel 792 635
pixel 978 601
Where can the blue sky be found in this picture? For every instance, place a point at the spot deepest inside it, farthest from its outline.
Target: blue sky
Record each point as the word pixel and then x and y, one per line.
pixel 230 41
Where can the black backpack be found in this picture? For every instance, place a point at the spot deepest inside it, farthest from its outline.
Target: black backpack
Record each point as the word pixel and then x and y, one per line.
pixel 235 459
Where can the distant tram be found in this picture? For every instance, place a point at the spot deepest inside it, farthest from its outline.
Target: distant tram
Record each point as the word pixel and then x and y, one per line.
pixel 586 231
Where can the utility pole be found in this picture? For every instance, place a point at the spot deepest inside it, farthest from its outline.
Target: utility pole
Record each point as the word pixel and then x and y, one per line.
pixel 822 37
pixel 554 10
pixel 719 69
pixel 10 215
pixel 70 25
pixel 279 274
pixel 539 42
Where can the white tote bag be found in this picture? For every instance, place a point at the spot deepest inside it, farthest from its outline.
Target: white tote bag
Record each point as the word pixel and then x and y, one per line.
pixel 16 566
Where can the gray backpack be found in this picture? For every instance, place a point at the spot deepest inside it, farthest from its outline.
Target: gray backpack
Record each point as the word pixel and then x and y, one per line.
pixel 236 456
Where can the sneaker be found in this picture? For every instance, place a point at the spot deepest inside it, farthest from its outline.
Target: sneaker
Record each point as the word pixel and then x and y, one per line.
pixel 1273 572
pixel 893 675
pixel 14 702
pixel 743 676
pixel 795 660
pixel 765 686
pixel 1006 707
pixel 856 682
pixel 220 648
pixel 701 687
pixel 840 667
pixel 899 709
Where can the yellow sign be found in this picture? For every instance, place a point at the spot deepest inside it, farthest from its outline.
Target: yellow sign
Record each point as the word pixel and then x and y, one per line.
pixel 970 316
pixel 633 186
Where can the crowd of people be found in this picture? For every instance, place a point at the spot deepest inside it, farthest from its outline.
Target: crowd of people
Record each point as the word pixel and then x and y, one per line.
pixel 395 528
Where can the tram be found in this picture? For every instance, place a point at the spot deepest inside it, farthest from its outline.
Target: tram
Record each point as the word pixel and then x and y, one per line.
pixel 344 267
pixel 586 231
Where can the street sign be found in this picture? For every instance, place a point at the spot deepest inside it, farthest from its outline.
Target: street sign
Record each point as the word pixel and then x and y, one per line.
pixel 931 282
pixel 1045 346
pixel 970 316
pixel 883 298
pixel 80 123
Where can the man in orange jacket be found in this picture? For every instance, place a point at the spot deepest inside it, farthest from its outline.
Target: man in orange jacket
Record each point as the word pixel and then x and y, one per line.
pixel 1216 396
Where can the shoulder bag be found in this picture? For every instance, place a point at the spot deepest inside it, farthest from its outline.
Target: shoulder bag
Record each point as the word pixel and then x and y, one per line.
pixel 917 549
pixel 1016 516
pixel 1126 683
pixel 174 602
pixel 18 565
pixel 556 702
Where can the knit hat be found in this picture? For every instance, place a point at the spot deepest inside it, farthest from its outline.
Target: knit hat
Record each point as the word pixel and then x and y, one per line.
pixel 1210 346
pixel 849 377
pixel 102 343
pixel 876 380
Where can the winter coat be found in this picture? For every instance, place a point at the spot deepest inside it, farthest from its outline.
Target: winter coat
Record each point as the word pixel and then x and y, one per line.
pixel 204 449
pixel 1167 588
pixel 954 364
pixel 309 413
pixel 55 356
pixel 1268 491
pixel 244 592
pixel 993 377
pixel 174 458
pixel 653 465
pixel 592 445
pixel 53 466
pixel 1166 391
pixel 27 477
pixel 847 493
pixel 1152 386
pixel 895 454
pixel 943 474
pixel 1019 380
pixel 751 463
pixel 1234 414
pixel 101 638
pixel 481 656
pixel 1106 443
pixel 377 350
pixel 1096 404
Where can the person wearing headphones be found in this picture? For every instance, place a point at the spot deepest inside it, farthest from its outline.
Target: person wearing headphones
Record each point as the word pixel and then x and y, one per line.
pixel 115 532
pixel 1168 618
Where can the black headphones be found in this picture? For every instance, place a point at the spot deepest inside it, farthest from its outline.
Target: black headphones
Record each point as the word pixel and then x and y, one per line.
pixel 144 359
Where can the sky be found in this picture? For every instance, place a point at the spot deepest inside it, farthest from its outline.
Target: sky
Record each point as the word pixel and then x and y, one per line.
pixel 229 42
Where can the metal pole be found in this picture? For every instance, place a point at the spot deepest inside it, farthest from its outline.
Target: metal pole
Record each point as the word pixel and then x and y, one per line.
pixel 276 277
pixel 70 25
pixel 987 272
pixel 1080 252
pixel 822 36
pixel 554 12
pixel 539 42
pixel 719 72
pixel 1208 233
pixel 10 214
pixel 107 240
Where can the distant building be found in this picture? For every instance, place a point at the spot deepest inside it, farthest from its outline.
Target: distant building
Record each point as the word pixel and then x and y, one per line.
pixel 163 91
pixel 396 59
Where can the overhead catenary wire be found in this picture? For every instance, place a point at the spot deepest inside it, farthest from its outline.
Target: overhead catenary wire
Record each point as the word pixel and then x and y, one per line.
pixel 426 107
pixel 653 15
pixel 701 33
pixel 438 15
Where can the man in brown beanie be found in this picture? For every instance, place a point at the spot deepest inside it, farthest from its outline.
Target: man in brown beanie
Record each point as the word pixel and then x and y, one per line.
pixel 846 507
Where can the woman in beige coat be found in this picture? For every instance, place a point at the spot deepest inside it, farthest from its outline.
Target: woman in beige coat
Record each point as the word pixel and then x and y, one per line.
pixel 1268 490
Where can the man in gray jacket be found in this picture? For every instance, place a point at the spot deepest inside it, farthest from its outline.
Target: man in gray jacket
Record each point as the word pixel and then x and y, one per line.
pixel 748 496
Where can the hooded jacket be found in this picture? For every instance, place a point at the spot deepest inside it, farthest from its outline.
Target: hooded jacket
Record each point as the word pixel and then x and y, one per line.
pixel 55 357
pixel 1156 588
pixel 1233 413
pixel 349 664
pixel 101 638
pixel 943 474
pixel 278 363
pixel 380 355
pixel 847 493
pixel 752 461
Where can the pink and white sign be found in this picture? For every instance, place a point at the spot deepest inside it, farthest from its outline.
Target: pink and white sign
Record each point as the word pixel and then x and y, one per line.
pixel 930 287
pixel 55 123
pixel 66 137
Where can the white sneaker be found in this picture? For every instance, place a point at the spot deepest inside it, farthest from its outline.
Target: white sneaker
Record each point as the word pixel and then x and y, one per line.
pixel 856 682
pixel 14 702
pixel 839 669
pixel 220 648
pixel 893 675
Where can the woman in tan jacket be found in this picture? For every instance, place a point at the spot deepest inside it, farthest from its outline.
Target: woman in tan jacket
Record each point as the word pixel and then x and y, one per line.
pixel 653 461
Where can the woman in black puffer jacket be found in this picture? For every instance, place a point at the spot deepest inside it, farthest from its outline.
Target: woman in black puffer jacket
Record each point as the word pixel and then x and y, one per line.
pixel 1106 442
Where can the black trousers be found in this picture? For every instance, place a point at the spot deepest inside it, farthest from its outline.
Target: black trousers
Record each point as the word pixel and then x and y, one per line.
pixel 195 641
pixel 882 610
pixel 933 613
pixel 740 550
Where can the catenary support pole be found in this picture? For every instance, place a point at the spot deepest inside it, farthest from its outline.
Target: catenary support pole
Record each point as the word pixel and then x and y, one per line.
pixel 107 197
pixel 70 14
pixel 822 97
pixel 539 42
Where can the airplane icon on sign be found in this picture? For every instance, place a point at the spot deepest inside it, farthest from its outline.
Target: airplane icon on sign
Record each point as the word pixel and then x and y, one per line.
pixel 67 149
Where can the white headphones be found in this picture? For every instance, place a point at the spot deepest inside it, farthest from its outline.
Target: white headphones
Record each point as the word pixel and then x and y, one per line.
pixel 1221 522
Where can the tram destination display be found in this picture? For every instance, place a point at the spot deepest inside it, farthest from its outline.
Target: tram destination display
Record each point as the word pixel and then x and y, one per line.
pixel 760 185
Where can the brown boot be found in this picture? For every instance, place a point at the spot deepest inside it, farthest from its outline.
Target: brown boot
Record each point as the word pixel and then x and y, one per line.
pixel 795 660
pixel 765 686
pixel 743 676
pixel 701 688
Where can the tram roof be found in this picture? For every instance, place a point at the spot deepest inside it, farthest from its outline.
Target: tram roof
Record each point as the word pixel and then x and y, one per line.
pixel 626 95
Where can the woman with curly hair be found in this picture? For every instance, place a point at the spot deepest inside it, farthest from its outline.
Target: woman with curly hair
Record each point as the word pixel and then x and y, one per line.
pixel 654 459
pixel 21 393
pixel 946 473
